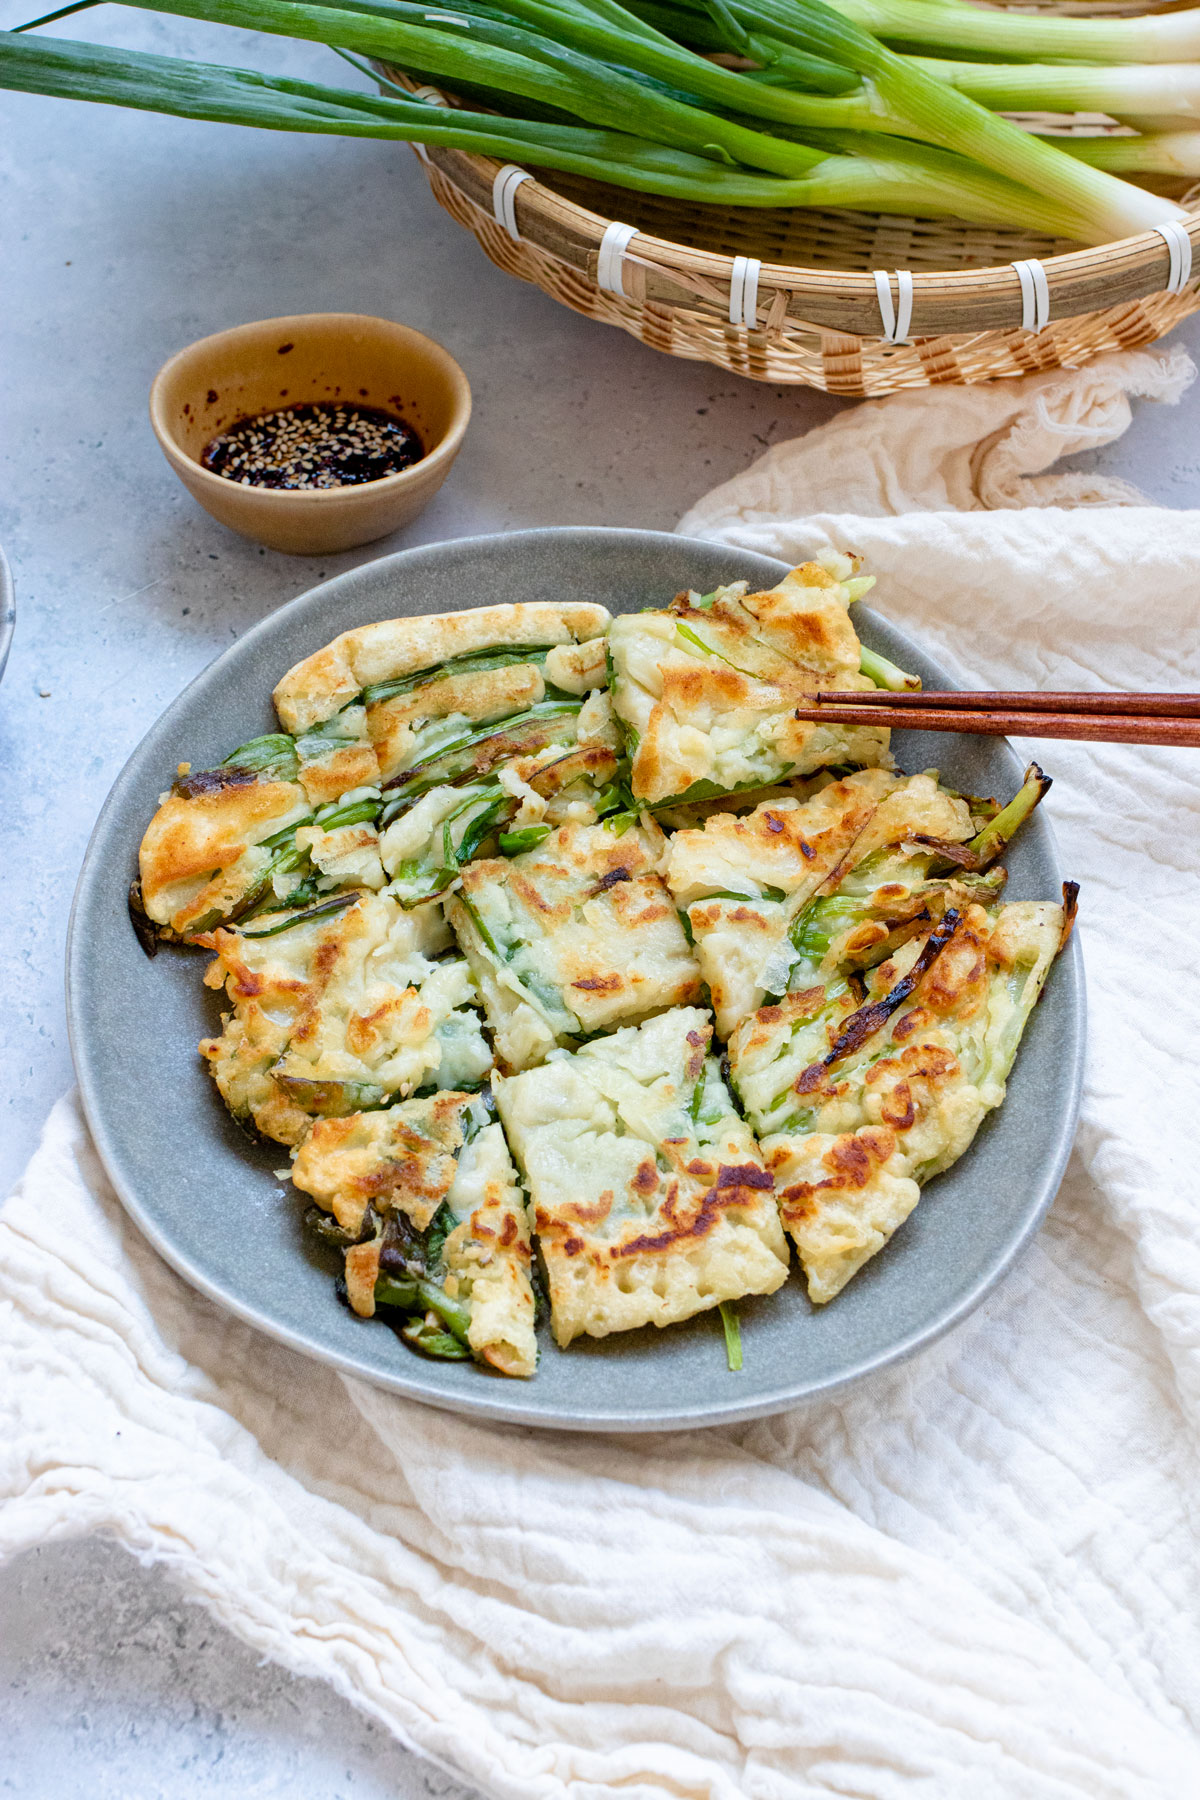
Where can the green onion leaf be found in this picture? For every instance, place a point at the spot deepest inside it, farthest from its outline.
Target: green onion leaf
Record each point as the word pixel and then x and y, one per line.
pixel 733 1335
pixel 528 838
pixel 431 1340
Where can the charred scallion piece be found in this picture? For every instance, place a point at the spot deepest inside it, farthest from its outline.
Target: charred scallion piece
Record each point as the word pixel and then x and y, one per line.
pixel 335 903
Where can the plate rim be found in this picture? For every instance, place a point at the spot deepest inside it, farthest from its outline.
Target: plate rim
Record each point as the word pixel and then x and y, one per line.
pixel 8 609
pixel 490 1405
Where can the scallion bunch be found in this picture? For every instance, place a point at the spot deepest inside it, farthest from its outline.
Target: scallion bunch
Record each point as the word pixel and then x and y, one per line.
pixel 872 105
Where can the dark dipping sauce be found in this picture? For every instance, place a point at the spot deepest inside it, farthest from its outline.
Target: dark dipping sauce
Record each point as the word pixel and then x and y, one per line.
pixel 318 444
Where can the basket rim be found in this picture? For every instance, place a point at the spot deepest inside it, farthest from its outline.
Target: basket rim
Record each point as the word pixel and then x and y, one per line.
pixel 944 302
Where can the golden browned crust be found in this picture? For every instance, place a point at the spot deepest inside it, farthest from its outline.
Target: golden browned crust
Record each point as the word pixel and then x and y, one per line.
pixel 788 844
pixel 334 761
pixel 401 1158
pixel 841 1199
pixel 476 695
pixel 194 837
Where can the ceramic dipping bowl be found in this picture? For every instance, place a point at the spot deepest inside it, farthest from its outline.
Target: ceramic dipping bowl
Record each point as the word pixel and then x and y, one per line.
pixel 207 388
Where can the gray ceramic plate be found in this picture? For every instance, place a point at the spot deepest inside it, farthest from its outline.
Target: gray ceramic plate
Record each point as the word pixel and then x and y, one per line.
pixel 208 1200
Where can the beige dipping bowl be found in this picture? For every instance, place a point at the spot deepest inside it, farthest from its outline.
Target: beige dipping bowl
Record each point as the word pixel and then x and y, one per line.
pixel 257 368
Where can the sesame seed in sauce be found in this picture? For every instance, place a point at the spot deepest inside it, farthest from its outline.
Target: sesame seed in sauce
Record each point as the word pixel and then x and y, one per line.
pixel 314 445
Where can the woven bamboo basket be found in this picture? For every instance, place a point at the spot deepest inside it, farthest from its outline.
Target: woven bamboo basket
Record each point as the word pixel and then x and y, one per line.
pixel 819 298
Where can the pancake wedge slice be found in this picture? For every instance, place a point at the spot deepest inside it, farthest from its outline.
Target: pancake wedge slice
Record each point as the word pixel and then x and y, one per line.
pixel 780 900
pixel 397 657
pixel 575 936
pixel 408 693
pixel 923 850
pixel 424 1200
pixel 861 1098
pixel 649 1195
pixel 840 1198
pixel 339 1007
pixel 709 690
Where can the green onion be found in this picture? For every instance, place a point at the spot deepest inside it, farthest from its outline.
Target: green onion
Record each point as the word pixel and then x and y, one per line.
pixel 504 58
pixel 999 832
pixel 336 904
pixel 471 662
pixel 408 1294
pixel 274 755
pixel 933 110
pixel 768 893
pixel 687 633
pixel 359 812
pixel 885 674
pixel 390 1292
pixel 433 1341
pixel 1122 92
pixel 1169 37
pixel 443 764
pixel 733 1335
pixel 830 118
pixel 614 35
pixel 480 827
pixel 1154 153
pixel 453 1313
pixel 486 937
pixel 528 838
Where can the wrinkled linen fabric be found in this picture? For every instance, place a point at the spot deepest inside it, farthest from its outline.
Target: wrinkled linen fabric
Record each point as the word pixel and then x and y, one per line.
pixel 951 450
pixel 974 1574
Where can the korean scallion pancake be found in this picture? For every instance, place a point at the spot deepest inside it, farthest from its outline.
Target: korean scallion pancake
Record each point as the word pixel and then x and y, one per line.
pixel 474 765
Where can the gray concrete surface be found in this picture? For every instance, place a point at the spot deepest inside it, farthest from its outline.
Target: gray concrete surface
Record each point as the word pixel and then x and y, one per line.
pixel 126 236
pixel 112 1685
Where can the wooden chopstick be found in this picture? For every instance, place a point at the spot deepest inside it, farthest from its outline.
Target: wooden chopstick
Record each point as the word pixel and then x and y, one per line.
pixel 1172 720
pixel 1155 706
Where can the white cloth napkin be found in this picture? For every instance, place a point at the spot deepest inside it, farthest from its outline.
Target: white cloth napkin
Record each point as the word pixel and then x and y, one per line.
pixel 973 1575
